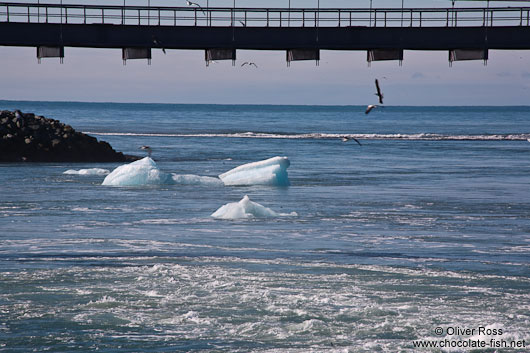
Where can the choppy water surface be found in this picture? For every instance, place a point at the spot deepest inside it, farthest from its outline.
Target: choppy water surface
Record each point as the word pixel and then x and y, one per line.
pixel 425 225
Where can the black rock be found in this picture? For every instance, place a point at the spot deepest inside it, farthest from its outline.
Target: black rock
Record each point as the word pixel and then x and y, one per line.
pixel 30 138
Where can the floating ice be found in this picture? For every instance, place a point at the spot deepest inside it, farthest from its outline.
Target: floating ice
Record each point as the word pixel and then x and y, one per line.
pixel 272 171
pixel 246 209
pixel 146 172
pixel 91 171
pixel 141 172
pixel 190 179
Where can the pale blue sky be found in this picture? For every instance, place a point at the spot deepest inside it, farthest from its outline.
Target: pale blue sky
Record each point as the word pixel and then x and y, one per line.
pixel 342 77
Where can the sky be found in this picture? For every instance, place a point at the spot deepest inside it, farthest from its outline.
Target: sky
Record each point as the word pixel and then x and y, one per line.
pixel 341 78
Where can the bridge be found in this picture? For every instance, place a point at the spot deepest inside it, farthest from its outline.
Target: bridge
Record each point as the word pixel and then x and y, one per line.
pixel 466 33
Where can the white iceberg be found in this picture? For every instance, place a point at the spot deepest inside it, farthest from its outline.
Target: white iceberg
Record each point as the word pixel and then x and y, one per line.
pixel 146 172
pixel 245 209
pixel 190 179
pixel 90 171
pixel 141 172
pixel 272 171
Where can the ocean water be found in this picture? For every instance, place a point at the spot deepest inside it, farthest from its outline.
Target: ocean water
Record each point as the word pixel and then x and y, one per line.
pixel 424 226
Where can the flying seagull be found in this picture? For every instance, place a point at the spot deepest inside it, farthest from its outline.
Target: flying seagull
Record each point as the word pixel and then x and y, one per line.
pixel 249 64
pixel 190 3
pixel 370 107
pixel 147 149
pixel 346 139
pixel 379 93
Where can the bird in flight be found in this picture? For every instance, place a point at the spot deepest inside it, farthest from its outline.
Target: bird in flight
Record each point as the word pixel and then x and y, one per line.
pixel 370 107
pixel 346 139
pixel 379 93
pixel 191 3
pixel 147 149
pixel 249 64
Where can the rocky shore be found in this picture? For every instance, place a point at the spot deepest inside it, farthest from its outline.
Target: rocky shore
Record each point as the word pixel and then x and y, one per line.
pixel 26 137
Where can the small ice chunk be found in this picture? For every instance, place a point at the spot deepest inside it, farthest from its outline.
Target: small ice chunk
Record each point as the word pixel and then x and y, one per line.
pixel 190 179
pixel 272 171
pixel 90 171
pixel 138 173
pixel 246 209
pixel 146 172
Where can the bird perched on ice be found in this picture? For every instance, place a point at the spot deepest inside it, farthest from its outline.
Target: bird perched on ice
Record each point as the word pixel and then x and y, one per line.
pixel 379 94
pixel 370 107
pixel 147 149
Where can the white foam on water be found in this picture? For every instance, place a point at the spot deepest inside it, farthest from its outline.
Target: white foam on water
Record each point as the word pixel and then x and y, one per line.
pixel 416 220
pixel 316 135
pixel 90 171
pixel 105 299
pixel 160 221
pixel 82 209
pixel 153 294
pixel 307 325
pixel 245 209
pixel 272 171
pixel 335 308
pixel 80 291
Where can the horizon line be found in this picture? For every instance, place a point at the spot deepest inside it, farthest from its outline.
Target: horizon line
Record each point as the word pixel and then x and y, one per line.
pixel 254 104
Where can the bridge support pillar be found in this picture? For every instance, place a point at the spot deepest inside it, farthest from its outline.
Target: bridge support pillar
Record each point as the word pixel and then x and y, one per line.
pixel 468 54
pixel 50 52
pixel 220 54
pixel 384 54
pixel 303 54
pixel 136 53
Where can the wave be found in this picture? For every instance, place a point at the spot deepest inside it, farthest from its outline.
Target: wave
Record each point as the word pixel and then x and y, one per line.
pixel 327 136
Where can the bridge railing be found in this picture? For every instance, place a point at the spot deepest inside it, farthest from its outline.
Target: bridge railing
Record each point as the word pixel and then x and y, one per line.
pixel 263 17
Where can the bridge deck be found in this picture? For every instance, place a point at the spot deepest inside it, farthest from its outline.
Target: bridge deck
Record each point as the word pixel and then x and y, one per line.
pixel 267 29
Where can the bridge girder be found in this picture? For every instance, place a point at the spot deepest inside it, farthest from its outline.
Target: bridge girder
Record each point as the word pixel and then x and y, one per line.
pixel 263 38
